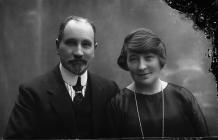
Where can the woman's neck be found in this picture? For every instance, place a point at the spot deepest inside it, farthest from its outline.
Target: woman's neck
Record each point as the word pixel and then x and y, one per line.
pixel 149 89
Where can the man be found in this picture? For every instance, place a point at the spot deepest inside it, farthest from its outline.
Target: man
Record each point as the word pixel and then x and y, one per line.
pixel 69 101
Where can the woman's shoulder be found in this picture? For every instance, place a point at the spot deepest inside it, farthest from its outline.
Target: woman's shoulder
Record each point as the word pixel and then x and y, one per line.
pixel 178 88
pixel 125 92
pixel 123 95
pixel 179 91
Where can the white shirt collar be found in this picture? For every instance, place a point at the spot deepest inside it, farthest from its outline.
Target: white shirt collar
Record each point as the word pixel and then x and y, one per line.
pixel 70 78
pixel 132 85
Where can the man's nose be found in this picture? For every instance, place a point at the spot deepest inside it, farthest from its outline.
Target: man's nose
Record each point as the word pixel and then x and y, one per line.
pixel 78 51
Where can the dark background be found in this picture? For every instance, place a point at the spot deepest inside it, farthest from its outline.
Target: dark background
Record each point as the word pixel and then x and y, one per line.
pixel 28 29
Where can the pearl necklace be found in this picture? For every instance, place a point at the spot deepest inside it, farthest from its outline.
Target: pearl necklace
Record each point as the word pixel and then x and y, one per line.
pixel 139 118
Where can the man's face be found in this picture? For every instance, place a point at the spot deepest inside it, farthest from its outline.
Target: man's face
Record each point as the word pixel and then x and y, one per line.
pixel 77 47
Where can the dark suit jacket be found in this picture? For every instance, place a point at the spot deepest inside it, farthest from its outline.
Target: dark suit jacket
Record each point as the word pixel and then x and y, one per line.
pixel 44 108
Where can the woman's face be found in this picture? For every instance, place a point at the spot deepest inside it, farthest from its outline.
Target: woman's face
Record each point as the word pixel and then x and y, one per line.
pixel 144 67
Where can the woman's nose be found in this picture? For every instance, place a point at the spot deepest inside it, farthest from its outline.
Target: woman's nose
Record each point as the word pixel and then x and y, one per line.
pixel 142 64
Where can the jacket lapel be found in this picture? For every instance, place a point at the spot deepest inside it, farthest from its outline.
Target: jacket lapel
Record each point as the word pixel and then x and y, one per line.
pixel 98 99
pixel 61 101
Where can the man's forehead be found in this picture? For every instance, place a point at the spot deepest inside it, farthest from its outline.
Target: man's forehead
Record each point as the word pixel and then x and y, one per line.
pixel 78 29
pixel 78 24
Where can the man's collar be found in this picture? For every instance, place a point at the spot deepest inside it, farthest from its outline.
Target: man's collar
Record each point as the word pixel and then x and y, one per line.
pixel 71 78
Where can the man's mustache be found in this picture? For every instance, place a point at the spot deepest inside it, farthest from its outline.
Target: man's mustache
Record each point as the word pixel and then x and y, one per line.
pixel 78 61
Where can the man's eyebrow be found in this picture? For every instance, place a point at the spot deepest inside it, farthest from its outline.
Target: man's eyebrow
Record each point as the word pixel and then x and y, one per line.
pixel 70 39
pixel 87 40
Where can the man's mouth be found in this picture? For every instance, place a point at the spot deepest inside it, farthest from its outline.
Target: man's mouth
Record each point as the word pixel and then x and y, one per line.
pixel 78 61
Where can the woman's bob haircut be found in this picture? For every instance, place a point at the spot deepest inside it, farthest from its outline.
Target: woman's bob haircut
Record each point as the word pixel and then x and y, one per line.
pixel 142 41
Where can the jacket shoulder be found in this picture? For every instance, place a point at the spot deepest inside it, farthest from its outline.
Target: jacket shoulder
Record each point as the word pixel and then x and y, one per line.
pixel 38 81
pixel 108 85
pixel 101 80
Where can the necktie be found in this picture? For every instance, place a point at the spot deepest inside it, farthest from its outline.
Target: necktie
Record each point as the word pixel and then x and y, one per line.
pixel 78 91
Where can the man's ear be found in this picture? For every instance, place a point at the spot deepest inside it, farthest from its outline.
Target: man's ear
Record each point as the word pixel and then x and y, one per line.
pixel 96 44
pixel 57 43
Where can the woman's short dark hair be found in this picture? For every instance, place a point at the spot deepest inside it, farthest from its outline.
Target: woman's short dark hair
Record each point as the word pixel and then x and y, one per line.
pixel 142 40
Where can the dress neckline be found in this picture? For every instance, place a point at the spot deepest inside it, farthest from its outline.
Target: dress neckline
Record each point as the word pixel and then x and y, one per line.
pixel 148 95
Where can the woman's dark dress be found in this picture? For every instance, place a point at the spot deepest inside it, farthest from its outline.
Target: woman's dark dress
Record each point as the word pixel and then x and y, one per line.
pixel 183 116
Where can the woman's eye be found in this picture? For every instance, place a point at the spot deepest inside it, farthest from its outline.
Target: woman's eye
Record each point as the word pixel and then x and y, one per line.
pixel 149 58
pixel 132 58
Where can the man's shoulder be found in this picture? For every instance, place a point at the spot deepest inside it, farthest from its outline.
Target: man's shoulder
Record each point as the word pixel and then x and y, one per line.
pixel 40 80
pixel 110 87
pixel 99 79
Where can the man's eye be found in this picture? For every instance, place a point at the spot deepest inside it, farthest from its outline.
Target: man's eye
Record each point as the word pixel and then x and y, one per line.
pixel 71 42
pixel 86 44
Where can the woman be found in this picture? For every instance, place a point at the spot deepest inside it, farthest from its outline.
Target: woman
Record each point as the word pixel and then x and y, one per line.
pixel 150 107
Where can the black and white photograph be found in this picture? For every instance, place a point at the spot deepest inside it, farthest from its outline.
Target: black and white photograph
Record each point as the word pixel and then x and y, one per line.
pixel 108 69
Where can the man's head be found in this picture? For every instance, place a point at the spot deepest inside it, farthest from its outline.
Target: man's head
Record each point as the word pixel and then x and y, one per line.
pixel 76 44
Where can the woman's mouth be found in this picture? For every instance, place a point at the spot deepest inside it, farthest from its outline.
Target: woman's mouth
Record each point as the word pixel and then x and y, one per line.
pixel 144 75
